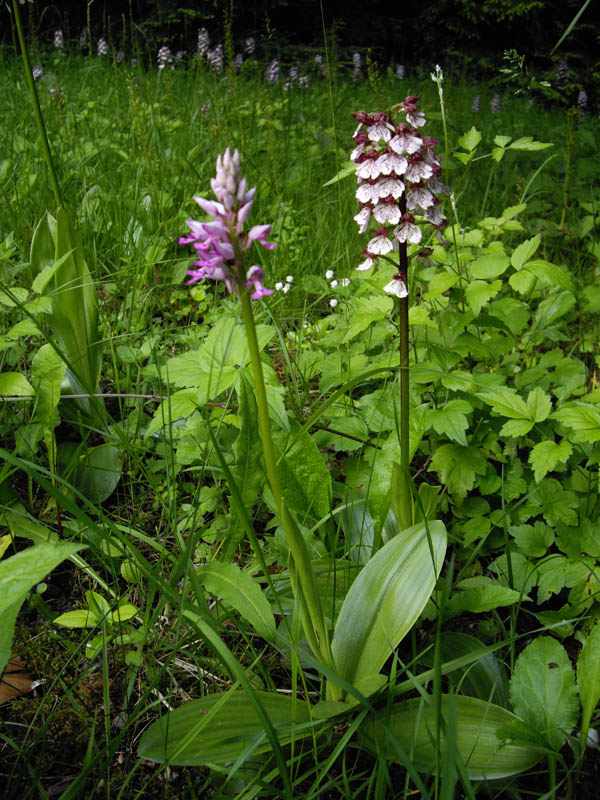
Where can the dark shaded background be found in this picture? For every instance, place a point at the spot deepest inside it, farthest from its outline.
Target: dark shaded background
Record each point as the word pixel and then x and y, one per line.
pixel 459 34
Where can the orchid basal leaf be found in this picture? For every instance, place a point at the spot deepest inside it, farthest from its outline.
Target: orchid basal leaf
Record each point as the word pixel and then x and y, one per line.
pixel 486 755
pixel 219 728
pixel 386 599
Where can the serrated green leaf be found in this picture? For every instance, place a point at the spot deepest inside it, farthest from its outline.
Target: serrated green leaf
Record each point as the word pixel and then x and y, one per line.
pixel 238 589
pixel 527 143
pixel 550 274
pixel 486 756
pixel 489 266
pixel 451 420
pixel 365 312
pixel 457 467
pixel 440 283
pixel 543 692
pixel 305 479
pixel 417 315
pixel 553 308
pixel 582 418
pixel 546 455
pixel 524 251
pixel 539 404
pixel 13 384
pixel 10 298
pixel 507 402
pixel 522 282
pixel 498 153
pixel 502 141
pixel 470 139
pixel 479 293
pixel 385 600
pixel 516 427
pixel 588 678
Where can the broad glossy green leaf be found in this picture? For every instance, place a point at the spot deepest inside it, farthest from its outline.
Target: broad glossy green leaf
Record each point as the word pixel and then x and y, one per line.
pixel 304 476
pixel 13 384
pixel 219 728
pixel 543 691
pixel 99 472
pixel 524 251
pixel 484 753
pixel 18 574
pixel 74 318
pixel 385 600
pixel 588 677
pixel 240 590
pixel 484 678
pixel 479 594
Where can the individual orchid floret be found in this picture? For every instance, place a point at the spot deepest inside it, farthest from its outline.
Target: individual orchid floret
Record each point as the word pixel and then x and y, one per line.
pixel 255 276
pixel 221 242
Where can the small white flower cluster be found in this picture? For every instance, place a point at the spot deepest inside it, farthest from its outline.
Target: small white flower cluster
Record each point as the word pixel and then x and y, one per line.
pixel 334 283
pixel 37 72
pixel 59 41
pixel 83 37
pixel 400 71
pixel 249 45
pixel 102 46
pixel 495 104
pixel 582 101
pixel 238 61
pixel 476 104
pixel 284 287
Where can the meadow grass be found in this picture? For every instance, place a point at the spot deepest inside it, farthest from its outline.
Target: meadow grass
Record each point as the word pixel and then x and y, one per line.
pixel 131 147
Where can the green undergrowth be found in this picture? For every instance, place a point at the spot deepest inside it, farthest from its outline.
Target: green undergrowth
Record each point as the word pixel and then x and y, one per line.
pixel 505 425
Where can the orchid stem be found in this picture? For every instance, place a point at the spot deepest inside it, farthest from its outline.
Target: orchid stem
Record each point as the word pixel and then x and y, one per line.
pixel 301 570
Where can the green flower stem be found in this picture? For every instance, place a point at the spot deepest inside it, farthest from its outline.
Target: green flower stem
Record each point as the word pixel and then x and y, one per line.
pixel 401 493
pixel 301 570
pixel 39 119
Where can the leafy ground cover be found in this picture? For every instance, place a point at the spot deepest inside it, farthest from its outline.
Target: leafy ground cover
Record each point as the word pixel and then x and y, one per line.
pixel 153 566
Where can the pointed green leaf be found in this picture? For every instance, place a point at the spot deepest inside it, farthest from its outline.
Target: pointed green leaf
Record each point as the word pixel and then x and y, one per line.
pixel 524 251
pixel 539 404
pixel 588 677
pixel 470 139
pixel 489 266
pixel 478 595
pixel 484 754
pixel 582 418
pixel 240 590
pixel 527 143
pixel 479 293
pixel 218 729
pixel 74 318
pixel 506 402
pixel 543 691
pixel 385 600
pixel 13 384
pixel 19 574
pixel 546 455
